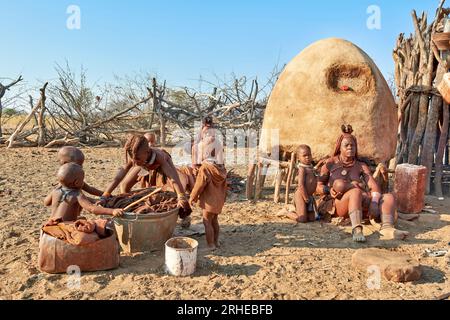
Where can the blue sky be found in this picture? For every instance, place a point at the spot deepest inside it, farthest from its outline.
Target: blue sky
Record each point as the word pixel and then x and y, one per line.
pixel 181 40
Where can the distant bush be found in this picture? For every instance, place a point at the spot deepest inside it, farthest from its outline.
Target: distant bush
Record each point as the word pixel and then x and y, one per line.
pixel 9 112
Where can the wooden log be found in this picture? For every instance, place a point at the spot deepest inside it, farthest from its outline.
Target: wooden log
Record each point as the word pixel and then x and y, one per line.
pixel 416 140
pixel 41 121
pixel 259 177
pixel 412 123
pixel 428 145
pixel 440 151
pixel 62 142
pixel 426 68
pixel 278 181
pixel 250 180
pixel 265 169
pixel 289 177
pixel 402 142
pixel 281 164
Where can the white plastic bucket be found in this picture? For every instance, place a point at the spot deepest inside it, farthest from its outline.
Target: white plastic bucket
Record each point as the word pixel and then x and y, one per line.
pixel 181 256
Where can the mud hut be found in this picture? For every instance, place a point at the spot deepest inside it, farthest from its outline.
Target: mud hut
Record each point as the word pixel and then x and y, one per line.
pixel 330 83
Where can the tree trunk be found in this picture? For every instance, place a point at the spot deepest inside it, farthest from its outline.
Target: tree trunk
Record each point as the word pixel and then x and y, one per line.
pixel 412 124
pixel 429 140
pixel 418 133
pixel 440 152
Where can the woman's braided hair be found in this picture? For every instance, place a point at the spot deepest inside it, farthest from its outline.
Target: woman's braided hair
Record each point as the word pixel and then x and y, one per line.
pixel 133 144
pixel 347 131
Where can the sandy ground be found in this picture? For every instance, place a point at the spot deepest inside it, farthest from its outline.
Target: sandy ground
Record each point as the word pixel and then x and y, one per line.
pixel 263 256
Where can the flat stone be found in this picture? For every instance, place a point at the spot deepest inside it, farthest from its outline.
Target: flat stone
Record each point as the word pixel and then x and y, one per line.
pixel 397 267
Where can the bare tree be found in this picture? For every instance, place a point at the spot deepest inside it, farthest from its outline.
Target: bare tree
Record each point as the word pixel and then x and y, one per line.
pixel 3 89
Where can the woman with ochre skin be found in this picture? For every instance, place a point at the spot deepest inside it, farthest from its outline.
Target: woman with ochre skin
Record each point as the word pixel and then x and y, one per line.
pixel 357 196
pixel 139 153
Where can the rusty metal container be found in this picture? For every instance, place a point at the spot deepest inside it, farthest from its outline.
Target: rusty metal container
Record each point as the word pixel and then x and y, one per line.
pixel 145 232
pixel 56 256
pixel 409 187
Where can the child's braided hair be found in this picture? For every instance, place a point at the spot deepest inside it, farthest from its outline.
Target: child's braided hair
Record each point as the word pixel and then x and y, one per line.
pixel 133 144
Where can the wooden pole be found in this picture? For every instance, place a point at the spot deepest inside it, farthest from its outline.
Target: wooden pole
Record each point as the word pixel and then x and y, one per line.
pixel 440 152
pixel 289 178
pixel 259 178
pixel 250 181
pixel 278 181
pixel 427 153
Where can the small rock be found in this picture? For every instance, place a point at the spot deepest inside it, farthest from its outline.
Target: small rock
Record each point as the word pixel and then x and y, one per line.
pixel 393 266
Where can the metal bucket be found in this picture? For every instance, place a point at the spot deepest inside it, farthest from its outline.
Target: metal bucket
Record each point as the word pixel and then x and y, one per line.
pixel 145 232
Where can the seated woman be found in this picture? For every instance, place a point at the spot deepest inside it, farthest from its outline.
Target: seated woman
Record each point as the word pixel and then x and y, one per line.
pixel 357 196
pixel 139 153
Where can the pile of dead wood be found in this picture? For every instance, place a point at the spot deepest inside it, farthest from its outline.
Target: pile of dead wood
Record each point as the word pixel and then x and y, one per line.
pixel 423 115
pixel 69 113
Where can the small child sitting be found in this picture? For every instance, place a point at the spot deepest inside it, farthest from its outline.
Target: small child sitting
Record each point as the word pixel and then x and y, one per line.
pixel 67 200
pixel 305 205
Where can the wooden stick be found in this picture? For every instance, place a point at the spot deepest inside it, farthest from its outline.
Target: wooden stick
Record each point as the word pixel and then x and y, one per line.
pixel 440 152
pixel 250 179
pixel 128 207
pixel 429 139
pixel 27 119
pixel 259 178
pixel 443 296
pixel 278 180
pixel 265 169
pixel 289 178
pixel 281 164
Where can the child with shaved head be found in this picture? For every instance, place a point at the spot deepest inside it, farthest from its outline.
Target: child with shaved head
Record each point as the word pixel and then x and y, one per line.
pixel 305 205
pixel 69 154
pixel 68 200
